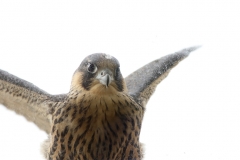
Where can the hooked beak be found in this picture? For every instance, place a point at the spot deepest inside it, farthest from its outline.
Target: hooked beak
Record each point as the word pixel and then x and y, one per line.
pixel 105 77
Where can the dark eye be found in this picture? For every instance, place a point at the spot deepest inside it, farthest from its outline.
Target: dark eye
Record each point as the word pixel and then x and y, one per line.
pixel 92 68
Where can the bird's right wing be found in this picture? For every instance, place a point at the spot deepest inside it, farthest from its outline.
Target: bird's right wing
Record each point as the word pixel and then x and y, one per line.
pixel 26 99
pixel 142 83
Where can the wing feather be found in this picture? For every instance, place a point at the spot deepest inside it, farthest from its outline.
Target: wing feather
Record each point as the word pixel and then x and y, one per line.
pixel 26 99
pixel 142 83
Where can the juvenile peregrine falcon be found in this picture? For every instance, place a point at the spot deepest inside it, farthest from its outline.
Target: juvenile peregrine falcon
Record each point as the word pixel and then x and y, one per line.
pixel 100 117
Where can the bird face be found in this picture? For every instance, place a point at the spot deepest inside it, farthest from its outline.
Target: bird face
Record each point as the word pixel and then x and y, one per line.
pixel 99 73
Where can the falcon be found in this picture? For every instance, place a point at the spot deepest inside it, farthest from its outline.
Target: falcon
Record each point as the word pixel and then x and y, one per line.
pixel 101 115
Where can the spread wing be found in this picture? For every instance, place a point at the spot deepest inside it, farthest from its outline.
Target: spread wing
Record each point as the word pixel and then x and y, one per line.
pixel 142 83
pixel 33 103
pixel 26 99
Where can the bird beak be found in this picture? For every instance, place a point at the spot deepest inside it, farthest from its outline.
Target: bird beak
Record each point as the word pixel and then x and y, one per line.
pixel 105 77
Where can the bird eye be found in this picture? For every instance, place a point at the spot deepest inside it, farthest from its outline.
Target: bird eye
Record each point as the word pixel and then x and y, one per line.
pixel 91 68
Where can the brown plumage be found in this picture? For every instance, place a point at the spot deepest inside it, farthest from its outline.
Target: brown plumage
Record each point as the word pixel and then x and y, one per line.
pixel 100 117
pixel 96 121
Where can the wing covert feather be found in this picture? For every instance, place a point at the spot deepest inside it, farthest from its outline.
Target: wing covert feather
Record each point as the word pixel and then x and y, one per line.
pixel 142 83
pixel 26 99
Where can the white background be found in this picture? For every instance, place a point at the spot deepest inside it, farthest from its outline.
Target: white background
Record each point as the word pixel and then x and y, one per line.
pixel 194 113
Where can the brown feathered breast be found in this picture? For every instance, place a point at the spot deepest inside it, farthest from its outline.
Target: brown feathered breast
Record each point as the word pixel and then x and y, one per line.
pixel 91 126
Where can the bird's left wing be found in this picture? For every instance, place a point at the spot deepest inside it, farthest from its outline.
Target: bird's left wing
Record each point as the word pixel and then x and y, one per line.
pixel 26 99
pixel 142 83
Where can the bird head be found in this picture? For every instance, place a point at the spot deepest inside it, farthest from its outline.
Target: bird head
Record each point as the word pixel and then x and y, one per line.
pixel 99 73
